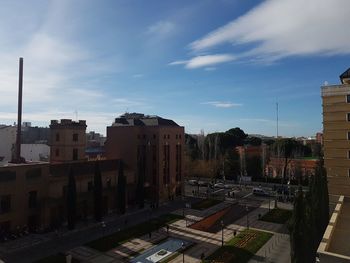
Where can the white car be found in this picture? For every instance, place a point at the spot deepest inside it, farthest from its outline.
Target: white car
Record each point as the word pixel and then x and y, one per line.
pixel 219 185
pixel 192 182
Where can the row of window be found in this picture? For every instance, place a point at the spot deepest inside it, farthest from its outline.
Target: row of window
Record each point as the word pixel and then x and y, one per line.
pixel 165 136
pixel 90 186
pixel 5 202
pixel 75 137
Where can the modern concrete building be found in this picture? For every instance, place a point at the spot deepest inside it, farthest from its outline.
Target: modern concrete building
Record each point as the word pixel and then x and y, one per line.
pixel 67 140
pixel 336 135
pixel 153 148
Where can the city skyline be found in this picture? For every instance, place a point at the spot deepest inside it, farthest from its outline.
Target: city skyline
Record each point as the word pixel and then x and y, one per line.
pixel 209 65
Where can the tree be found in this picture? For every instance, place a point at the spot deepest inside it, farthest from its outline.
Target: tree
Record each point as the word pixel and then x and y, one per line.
pixel 231 164
pixel 71 200
pixel 97 193
pixel 254 166
pixel 121 191
pixel 253 141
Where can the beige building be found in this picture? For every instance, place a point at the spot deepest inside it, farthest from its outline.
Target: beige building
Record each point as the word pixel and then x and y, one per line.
pixel 336 135
pixel 153 148
pixel 67 140
pixel 335 247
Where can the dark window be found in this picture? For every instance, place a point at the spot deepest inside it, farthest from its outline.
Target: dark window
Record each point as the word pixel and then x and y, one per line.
pixel 138 136
pixel 108 183
pixel 57 152
pixel 348 135
pixel 348 98
pixel 75 154
pixel 164 136
pixel 7 176
pixel 33 173
pixel 348 154
pixel 5 204
pixel 75 137
pixel 57 137
pixel 32 199
pixel 348 115
pixel 168 136
pixel 179 136
pixel 90 186
pixel 154 136
pixel 144 136
pixel 176 136
pixel 64 190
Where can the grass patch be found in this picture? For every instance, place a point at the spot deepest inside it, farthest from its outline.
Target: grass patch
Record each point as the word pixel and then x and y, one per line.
pixel 204 204
pixel 58 258
pixel 277 215
pixel 240 248
pixel 111 241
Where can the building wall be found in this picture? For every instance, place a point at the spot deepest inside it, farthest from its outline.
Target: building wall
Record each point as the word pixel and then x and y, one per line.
pixel 160 147
pixel 50 182
pixel 304 166
pixel 335 137
pixel 7 141
pixel 35 152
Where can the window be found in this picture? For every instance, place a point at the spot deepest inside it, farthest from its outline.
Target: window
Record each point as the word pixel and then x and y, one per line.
pixel 57 137
pixel 164 136
pixel 176 136
pixel 57 152
pixel 179 136
pixel 75 154
pixel 64 190
pixel 90 186
pixel 144 136
pixel 32 199
pixel 348 135
pixel 154 136
pixel 348 116
pixel 348 154
pixel 108 183
pixel 5 204
pixel 349 173
pixel 348 98
pixel 75 137
pixel 168 136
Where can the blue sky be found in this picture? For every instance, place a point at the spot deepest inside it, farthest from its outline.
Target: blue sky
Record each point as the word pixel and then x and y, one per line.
pixel 207 64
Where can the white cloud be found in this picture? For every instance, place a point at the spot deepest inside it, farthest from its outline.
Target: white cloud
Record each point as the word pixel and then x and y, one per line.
pixel 281 28
pixel 204 61
pixel 161 28
pixel 222 104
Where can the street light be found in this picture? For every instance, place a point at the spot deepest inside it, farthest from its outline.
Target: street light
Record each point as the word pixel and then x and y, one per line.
pixel 222 233
pixel 183 252
pixel 247 209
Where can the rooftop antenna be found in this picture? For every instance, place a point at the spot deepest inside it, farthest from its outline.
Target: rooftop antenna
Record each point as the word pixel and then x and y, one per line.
pixel 76 115
pixel 277 119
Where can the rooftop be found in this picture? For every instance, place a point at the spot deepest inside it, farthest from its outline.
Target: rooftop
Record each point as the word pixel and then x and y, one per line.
pixel 139 119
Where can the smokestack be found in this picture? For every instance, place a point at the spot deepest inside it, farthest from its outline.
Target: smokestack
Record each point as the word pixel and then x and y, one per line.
pixel 19 117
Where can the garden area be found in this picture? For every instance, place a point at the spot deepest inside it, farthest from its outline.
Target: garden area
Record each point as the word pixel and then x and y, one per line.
pixel 240 248
pixel 205 204
pixel 111 241
pixel 277 215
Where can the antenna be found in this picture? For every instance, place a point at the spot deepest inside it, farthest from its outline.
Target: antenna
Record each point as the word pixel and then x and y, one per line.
pixel 277 119
pixel 76 115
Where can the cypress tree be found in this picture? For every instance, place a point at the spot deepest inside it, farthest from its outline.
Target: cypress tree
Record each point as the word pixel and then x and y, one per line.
pixel 121 191
pixel 297 233
pixel 71 200
pixel 97 193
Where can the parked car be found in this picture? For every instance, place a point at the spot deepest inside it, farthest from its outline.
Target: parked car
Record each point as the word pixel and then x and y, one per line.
pixel 192 182
pixel 203 183
pixel 260 192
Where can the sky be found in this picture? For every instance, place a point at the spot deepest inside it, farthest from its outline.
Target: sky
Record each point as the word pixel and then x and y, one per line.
pixel 207 64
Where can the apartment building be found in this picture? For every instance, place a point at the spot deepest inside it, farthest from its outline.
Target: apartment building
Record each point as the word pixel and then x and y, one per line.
pixel 336 134
pixel 153 148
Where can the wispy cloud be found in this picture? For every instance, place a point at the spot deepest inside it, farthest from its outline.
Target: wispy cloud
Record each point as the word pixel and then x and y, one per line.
pixel 222 104
pixel 204 61
pixel 161 28
pixel 277 32
pixel 138 76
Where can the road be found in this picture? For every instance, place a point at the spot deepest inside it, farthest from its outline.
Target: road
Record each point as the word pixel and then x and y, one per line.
pixel 73 239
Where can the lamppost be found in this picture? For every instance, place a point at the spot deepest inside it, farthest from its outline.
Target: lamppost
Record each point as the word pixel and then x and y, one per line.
pixel 247 210
pixel 183 252
pixel 222 233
